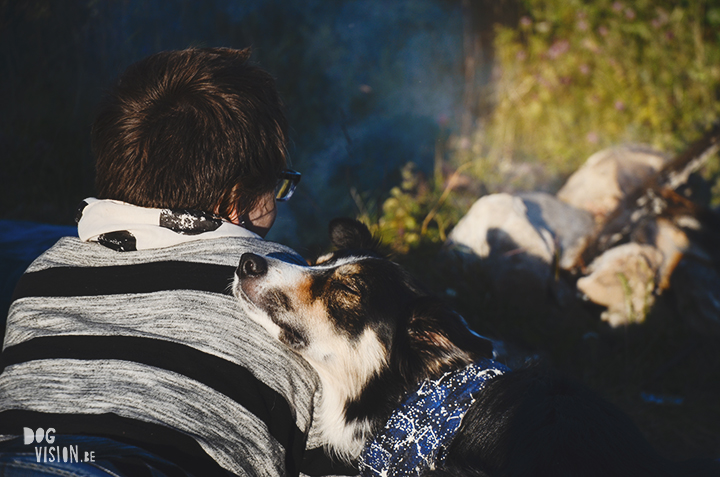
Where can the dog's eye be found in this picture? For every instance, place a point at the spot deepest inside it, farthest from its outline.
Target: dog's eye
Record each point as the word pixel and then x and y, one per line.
pixel 346 287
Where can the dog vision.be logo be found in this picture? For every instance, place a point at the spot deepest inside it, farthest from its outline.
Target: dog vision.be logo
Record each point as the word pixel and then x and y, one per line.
pixel 50 452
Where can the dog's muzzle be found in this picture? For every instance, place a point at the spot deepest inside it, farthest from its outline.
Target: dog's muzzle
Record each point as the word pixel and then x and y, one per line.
pixel 249 273
pixel 250 286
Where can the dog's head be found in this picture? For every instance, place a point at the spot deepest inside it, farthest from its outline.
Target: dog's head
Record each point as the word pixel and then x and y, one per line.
pixel 354 304
pixel 361 320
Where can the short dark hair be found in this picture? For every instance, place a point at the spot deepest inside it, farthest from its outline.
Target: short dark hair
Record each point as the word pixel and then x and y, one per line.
pixel 191 129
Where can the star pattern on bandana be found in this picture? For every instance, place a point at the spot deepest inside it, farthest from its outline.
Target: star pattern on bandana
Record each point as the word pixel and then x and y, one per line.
pixel 418 433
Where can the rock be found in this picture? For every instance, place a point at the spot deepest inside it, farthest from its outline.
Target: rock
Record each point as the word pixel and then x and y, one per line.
pixel 669 239
pixel 521 239
pixel 534 224
pixel 608 176
pixel 673 243
pixel 623 280
pixel 499 225
pixel 571 227
pixel 517 256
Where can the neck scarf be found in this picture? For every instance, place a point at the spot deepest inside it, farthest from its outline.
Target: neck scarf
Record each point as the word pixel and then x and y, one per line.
pixel 419 432
pixel 125 227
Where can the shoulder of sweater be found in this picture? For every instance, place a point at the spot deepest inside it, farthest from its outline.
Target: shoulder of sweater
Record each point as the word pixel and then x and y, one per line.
pixel 72 252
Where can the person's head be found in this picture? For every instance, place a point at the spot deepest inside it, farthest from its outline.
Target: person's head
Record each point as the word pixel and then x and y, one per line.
pixel 195 129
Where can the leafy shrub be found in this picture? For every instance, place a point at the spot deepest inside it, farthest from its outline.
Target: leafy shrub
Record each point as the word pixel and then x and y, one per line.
pixel 420 212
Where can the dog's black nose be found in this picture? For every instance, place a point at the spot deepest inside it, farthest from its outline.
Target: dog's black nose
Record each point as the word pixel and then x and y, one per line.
pixel 251 265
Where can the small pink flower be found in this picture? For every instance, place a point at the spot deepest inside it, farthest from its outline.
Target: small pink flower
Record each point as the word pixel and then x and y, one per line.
pixel 582 25
pixel 521 55
pixel 592 137
pixel 619 105
pixel 662 17
pixel 525 21
pixel 617 6
pixel 584 69
pixel 603 30
pixel 558 48
pixel 630 14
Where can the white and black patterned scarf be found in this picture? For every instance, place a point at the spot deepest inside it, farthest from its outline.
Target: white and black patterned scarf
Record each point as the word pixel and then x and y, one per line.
pixel 125 227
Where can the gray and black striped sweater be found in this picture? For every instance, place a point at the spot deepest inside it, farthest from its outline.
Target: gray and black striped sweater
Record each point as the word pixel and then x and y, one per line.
pixel 149 348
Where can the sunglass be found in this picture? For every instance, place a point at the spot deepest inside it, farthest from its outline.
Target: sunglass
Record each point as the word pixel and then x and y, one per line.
pixel 286 184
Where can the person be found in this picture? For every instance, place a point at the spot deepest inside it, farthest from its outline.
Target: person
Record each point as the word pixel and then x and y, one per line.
pixel 125 353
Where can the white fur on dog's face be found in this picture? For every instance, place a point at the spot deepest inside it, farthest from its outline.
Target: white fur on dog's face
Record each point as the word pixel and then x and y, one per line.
pixel 288 302
pixel 293 303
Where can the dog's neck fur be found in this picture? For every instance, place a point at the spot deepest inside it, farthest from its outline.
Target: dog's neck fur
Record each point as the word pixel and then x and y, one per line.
pixel 347 431
pixel 344 381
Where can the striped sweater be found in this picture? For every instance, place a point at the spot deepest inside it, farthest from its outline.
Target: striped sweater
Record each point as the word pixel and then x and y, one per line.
pixel 149 347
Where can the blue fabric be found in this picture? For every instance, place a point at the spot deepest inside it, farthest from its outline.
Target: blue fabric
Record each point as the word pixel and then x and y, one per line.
pixel 418 433
pixel 26 465
pixel 21 243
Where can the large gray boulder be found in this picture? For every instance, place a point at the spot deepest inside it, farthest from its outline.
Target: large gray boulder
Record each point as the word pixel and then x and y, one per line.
pixel 497 236
pixel 570 227
pixel 498 225
pixel 535 225
pixel 521 239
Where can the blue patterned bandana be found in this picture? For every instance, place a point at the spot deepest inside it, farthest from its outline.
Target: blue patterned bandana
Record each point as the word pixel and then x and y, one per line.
pixel 418 433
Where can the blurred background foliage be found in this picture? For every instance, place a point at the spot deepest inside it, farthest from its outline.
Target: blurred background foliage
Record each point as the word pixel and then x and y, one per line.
pixel 578 76
pixel 571 78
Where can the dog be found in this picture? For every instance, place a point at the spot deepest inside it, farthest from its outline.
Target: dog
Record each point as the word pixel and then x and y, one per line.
pixel 389 354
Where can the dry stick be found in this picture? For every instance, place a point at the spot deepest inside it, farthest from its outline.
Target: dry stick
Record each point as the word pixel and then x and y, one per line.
pixel 452 181
pixel 670 176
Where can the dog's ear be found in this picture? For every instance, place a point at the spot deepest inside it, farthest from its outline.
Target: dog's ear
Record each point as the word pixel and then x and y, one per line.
pixel 437 339
pixel 350 234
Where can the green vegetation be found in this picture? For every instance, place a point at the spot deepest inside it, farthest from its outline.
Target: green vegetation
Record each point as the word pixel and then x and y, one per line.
pixel 419 211
pixel 579 76
pixel 571 78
